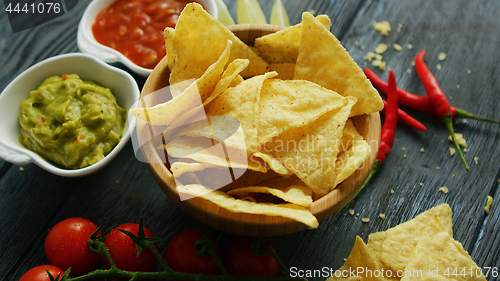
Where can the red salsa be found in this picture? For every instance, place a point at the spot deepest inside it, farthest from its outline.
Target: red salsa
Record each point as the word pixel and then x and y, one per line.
pixel 135 28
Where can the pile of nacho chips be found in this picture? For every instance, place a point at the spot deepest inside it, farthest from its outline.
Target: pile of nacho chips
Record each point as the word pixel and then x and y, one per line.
pixel 420 249
pixel 261 130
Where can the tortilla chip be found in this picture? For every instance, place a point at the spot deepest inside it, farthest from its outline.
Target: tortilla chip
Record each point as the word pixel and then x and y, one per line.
pixel 241 102
pixel 188 121
pixel 354 151
pixel 237 80
pixel 191 98
pixel 285 70
pixel 199 41
pixel 323 60
pixel 401 240
pixel 180 168
pixel 441 257
pixel 375 243
pixel 169 34
pixel 201 150
pixel 273 162
pixel 313 153
pixel 290 211
pixel 361 262
pixel 290 190
pixel 283 46
pixel 287 104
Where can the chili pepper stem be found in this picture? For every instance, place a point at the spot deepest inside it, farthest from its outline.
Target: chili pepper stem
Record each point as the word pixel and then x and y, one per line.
pixel 468 115
pixel 376 167
pixel 448 123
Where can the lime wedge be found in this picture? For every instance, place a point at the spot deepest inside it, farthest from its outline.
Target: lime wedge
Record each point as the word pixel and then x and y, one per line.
pixel 279 15
pixel 224 15
pixel 249 11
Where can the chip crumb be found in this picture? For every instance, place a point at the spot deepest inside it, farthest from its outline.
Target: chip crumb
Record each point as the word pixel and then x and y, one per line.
pixel 412 63
pixel 452 151
pixel 408 70
pixel 476 159
pixel 312 11
pixel 369 56
pixel 468 71
pixel 381 48
pixel 351 211
pixel 438 66
pixel 399 27
pixel 404 148
pixel 365 219
pixel 421 184
pixel 21 168
pixel 397 47
pixel 362 47
pixel 392 191
pixel 489 200
pixel 384 27
pixel 441 56
pixel 409 46
pixel 438 168
pixel 382 216
pixel 404 155
pixel 460 139
pixel 380 64
pixel 458 86
pixel 117 181
pixel 345 259
pixel 422 149
pixel 465 150
pixel 443 189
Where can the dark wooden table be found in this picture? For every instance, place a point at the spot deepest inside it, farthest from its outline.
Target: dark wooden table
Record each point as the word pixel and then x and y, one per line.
pixel 468 31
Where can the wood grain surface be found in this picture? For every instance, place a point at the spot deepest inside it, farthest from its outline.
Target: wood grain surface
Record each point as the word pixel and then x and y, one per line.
pixel 32 200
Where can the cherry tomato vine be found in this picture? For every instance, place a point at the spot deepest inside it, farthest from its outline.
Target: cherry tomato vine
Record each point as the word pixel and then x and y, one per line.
pixel 146 254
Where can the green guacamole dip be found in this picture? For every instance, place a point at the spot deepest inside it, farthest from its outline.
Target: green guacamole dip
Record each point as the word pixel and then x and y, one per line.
pixel 71 122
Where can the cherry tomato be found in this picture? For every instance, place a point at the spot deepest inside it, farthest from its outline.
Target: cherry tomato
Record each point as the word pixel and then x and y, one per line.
pixel 181 254
pixel 39 274
pixel 240 260
pixel 123 250
pixel 66 245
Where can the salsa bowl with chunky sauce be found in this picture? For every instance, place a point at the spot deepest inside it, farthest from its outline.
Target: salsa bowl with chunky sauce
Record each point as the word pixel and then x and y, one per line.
pixel 131 31
pixel 36 83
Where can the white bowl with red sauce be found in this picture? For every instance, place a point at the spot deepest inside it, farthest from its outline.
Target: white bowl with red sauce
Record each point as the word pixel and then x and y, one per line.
pixel 87 42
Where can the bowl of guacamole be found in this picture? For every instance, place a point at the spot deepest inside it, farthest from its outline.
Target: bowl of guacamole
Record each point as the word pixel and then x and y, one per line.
pixel 67 114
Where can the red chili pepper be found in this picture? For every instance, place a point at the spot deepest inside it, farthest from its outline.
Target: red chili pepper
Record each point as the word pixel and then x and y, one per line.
pixel 406 119
pixel 387 134
pixel 64 77
pixel 422 103
pixel 437 99
pixel 391 120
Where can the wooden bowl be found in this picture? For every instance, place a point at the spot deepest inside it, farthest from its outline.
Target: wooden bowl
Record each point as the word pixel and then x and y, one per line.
pixel 250 224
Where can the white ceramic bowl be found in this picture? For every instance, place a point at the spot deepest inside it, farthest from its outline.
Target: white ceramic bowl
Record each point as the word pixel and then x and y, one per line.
pixel 88 67
pixel 87 43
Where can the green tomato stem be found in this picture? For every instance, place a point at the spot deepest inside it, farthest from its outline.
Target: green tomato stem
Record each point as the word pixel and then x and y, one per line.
pixel 278 260
pixel 158 256
pixel 448 123
pixel 168 273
